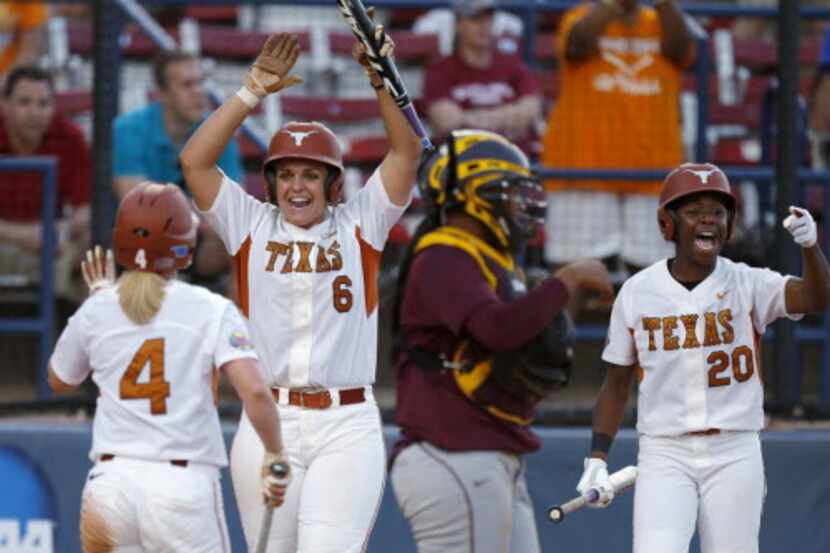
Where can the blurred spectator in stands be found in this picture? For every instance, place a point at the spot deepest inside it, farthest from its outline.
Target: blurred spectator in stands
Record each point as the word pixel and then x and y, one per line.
pixel 30 127
pixel 478 86
pixel 618 108
pixel 21 33
pixel 147 143
pixel 507 28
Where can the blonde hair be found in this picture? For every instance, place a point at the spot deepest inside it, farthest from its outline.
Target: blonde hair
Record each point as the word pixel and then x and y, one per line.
pixel 140 295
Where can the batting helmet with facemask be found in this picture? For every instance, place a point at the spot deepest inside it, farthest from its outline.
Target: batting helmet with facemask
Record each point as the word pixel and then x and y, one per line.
pixel 308 140
pixel 688 179
pixel 155 229
pixel 489 178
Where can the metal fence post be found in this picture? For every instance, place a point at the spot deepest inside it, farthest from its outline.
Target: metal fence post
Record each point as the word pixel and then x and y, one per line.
pixel 786 375
pixel 43 324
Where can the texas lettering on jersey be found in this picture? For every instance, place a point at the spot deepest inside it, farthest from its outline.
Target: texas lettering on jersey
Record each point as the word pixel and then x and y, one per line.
pixel 326 258
pixel 717 331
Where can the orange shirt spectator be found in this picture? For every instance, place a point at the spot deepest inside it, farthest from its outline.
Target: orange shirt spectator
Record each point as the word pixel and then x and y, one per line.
pixel 20 32
pixel 621 64
pixel 617 109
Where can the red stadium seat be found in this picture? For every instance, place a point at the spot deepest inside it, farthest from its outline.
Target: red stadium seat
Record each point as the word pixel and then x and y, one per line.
pixel 222 41
pixel 334 110
pixel 134 42
pixel 212 14
pixel 73 102
pixel 410 47
pixel 736 151
pixel 219 41
pixel 367 150
pixel 762 55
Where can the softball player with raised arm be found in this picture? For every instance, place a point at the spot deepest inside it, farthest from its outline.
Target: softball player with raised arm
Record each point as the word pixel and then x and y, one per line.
pixel 688 328
pixel 153 346
pixel 307 271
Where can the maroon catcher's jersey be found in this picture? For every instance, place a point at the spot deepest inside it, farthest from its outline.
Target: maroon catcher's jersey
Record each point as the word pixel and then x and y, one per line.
pixel 446 297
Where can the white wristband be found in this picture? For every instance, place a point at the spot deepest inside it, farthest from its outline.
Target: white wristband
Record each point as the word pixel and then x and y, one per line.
pixel 248 98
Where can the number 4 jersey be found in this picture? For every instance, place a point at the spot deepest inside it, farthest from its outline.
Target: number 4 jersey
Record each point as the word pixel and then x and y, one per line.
pixel 310 294
pixel 697 352
pixel 157 381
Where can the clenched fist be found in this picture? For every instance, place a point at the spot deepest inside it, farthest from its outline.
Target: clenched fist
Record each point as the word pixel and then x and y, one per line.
pixel 275 484
pixel 802 226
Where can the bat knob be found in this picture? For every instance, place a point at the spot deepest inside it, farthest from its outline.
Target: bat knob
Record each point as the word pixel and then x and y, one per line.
pixel 279 470
pixel 556 514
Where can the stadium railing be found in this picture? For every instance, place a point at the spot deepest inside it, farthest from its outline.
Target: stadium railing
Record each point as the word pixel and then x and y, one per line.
pixel 43 323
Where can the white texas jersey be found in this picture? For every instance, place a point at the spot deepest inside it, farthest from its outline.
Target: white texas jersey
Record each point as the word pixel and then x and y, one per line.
pixel 311 295
pixel 697 351
pixel 156 381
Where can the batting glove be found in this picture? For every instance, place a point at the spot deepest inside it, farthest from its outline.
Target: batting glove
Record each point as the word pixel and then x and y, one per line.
pixel 269 72
pixel 387 50
pixel 802 226
pixel 98 269
pixel 595 476
pixel 274 485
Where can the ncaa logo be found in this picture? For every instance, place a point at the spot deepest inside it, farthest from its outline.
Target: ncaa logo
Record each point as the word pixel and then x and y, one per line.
pixel 27 505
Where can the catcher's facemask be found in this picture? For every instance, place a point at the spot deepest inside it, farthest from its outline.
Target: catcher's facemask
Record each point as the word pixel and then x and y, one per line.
pixel 518 203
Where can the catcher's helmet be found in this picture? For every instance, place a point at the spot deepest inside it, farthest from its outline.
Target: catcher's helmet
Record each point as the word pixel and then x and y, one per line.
pixel 310 140
pixel 688 179
pixel 155 229
pixel 489 178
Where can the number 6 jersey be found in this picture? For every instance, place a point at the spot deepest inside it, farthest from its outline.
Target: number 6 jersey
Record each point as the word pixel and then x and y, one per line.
pixel 156 381
pixel 697 351
pixel 310 294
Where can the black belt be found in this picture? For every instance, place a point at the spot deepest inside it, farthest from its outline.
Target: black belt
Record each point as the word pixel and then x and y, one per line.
pixel 174 462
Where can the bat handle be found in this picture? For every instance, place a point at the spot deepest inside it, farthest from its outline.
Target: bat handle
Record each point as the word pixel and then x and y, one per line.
pixel 415 122
pixel 279 470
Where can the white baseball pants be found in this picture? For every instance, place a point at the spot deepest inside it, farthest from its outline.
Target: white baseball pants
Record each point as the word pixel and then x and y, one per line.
pixel 338 472
pixel 715 482
pixel 137 506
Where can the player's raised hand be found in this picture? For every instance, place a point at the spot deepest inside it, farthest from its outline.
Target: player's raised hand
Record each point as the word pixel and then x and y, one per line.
pixel 98 269
pixel 269 72
pixel 274 483
pixel 595 476
pixel 802 226
pixel 387 50
pixel 588 274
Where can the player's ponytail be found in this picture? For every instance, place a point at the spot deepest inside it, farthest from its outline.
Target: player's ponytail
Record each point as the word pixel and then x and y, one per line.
pixel 140 295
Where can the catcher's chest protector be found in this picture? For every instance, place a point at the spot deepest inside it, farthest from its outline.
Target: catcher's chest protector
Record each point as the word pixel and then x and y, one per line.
pixel 472 363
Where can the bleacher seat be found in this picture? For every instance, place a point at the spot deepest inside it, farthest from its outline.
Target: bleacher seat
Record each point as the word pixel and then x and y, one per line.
pixel 761 55
pixel 72 103
pixel 212 14
pixel 410 47
pixel 736 151
pixel 222 41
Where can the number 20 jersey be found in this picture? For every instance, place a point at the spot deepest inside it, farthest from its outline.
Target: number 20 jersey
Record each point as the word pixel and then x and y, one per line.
pixel 697 351
pixel 310 294
pixel 157 380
